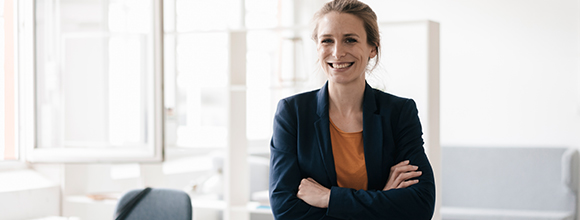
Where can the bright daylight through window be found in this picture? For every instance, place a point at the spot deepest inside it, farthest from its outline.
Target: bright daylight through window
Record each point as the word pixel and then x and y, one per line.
pixel 97 87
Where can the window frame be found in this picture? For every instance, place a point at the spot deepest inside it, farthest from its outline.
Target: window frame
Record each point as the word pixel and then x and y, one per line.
pixel 17 160
pixel 154 152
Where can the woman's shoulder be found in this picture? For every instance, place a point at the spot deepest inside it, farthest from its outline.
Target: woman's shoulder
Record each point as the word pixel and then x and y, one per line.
pixel 301 98
pixel 386 99
pixel 299 104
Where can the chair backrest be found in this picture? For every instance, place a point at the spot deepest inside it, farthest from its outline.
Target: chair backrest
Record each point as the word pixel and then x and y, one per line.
pixel 158 204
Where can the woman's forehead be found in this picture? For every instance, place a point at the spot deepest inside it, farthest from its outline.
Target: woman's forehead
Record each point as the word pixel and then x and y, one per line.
pixel 340 24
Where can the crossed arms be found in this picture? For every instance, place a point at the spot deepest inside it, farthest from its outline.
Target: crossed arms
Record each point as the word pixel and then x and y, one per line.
pixel 409 192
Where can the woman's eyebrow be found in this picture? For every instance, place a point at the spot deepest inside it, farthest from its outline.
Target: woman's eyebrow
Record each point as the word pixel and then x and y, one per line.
pixel 345 35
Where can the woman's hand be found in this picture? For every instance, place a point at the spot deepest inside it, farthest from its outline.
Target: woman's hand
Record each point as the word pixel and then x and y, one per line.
pixel 313 193
pixel 400 175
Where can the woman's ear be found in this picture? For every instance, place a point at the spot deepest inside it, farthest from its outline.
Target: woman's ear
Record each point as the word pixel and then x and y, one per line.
pixel 374 52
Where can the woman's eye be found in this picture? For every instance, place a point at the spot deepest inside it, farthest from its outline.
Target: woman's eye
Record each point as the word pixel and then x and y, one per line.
pixel 350 40
pixel 326 41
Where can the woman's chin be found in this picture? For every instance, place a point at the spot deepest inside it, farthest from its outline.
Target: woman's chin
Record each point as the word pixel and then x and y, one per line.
pixel 345 80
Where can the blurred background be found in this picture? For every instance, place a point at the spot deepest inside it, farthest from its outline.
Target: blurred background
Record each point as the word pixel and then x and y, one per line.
pixel 102 96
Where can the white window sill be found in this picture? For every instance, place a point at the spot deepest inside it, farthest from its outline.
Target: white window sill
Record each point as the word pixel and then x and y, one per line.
pixel 57 218
pixel 26 194
pixel 12 165
pixel 23 179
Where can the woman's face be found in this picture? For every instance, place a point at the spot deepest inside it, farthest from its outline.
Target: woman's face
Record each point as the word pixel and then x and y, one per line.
pixel 342 47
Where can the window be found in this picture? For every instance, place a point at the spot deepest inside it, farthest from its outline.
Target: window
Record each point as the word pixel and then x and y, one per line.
pixel 98 93
pixel 196 73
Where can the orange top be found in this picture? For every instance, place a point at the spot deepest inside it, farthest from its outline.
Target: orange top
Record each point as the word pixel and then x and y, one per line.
pixel 349 158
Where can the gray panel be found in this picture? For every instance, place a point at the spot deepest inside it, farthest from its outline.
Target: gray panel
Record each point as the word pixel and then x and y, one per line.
pixel 505 178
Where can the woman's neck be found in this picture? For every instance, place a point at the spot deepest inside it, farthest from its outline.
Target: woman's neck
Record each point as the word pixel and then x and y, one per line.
pixel 346 99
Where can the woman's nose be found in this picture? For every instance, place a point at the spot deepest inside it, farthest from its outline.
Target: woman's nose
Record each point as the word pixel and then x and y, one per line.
pixel 338 51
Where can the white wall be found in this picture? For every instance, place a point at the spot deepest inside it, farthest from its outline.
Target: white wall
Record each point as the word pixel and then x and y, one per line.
pixel 509 69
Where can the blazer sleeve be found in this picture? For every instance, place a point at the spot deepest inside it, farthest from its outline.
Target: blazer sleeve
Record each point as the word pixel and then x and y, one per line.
pixel 414 202
pixel 285 175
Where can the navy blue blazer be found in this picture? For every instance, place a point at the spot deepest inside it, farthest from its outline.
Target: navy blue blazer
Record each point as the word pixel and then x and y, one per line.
pixel 301 148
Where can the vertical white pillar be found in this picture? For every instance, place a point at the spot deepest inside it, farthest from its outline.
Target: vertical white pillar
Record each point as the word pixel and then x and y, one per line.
pixel 159 108
pixel 236 165
pixel 170 72
pixel 433 93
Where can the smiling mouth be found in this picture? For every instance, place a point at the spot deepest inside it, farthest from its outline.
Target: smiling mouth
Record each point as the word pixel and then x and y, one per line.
pixel 340 65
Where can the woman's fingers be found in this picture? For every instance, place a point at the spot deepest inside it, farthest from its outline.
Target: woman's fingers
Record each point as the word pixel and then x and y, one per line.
pixel 404 176
pixel 313 193
pixel 402 169
pixel 311 180
pixel 407 183
pixel 401 174
pixel 402 163
pixel 407 176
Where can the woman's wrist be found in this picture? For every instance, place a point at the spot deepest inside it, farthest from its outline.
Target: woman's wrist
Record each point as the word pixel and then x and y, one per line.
pixel 326 199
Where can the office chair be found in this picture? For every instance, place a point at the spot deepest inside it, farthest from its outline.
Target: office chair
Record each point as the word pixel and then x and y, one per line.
pixel 158 203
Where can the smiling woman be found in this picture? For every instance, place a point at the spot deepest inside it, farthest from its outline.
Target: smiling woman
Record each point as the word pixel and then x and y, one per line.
pixel 347 150
pixel 342 45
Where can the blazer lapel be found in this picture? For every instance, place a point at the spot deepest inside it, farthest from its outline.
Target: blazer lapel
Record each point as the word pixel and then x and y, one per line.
pixel 322 127
pixel 373 139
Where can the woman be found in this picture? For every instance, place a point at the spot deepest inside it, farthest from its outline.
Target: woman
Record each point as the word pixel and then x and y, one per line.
pixel 348 151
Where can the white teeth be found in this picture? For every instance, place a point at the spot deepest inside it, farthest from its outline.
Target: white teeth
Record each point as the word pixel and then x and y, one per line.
pixel 341 66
